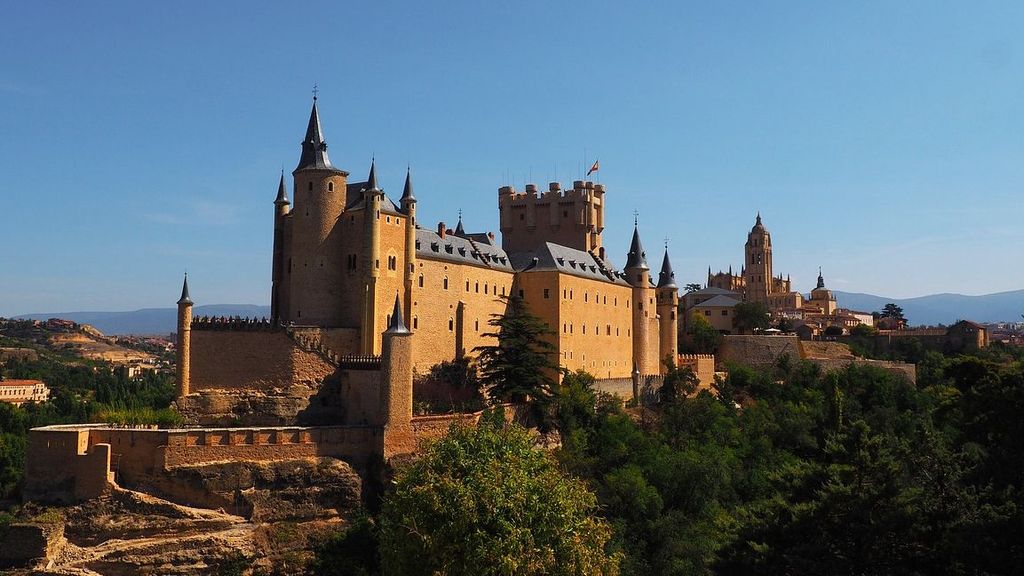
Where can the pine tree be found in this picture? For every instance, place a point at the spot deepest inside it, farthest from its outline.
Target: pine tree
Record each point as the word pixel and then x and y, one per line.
pixel 518 367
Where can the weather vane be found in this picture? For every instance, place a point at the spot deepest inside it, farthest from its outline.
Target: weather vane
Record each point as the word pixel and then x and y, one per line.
pixel 636 217
pixel 316 92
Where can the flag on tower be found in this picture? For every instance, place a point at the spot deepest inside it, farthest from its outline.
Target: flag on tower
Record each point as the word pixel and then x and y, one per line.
pixel 594 168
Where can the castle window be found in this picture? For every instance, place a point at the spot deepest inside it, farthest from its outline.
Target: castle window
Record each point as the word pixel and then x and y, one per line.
pixel 605 301
pixel 570 327
pixel 608 329
pixel 451 325
pixel 476 287
pixel 310 186
pixel 389 219
pixel 415 322
pixel 502 290
pixel 330 186
pixel 707 312
pixel 476 325
pixel 445 283
pixel 565 328
pixel 586 297
pixel 547 293
pixel 421 281
pixel 584 328
pixel 725 312
pixel 392 263
pixel 485 288
pixel 570 294
pixel 565 294
pixel 522 216
pixel 467 285
pixel 376 263
pixel 520 293
pixel 565 213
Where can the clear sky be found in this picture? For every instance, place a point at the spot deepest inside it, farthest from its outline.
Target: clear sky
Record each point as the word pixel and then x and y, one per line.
pixel 883 141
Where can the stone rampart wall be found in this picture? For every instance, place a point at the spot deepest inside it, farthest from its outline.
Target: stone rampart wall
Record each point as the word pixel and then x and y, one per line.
pixel 253 359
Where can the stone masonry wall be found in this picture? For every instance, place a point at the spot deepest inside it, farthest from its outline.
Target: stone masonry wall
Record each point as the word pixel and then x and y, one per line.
pixel 252 360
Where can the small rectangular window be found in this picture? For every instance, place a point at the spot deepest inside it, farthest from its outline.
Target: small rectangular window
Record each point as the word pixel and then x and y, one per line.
pixel 547 293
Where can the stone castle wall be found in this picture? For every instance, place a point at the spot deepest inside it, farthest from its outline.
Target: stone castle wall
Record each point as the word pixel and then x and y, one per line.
pixel 264 359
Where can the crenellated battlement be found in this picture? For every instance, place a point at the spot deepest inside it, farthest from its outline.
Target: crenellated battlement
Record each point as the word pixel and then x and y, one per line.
pixel 236 323
pixel 572 217
pixel 580 190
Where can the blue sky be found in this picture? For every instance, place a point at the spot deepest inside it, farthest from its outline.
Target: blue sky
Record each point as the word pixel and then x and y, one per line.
pixel 881 140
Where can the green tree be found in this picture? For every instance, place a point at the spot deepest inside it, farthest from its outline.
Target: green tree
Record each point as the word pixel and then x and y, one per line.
pixel 518 367
pixel 484 501
pixel 678 382
pixel 891 310
pixel 703 335
pixel 691 288
pixel 749 317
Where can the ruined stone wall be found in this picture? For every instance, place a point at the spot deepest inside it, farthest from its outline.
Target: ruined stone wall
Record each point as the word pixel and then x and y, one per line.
pixel 258 360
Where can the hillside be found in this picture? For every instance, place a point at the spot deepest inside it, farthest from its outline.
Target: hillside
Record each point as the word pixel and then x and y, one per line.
pixel 944 308
pixel 149 320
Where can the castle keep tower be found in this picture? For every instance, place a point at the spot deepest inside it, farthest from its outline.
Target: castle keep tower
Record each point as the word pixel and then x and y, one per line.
pixel 184 344
pixel 758 263
pixel 638 274
pixel 573 218
pixel 313 269
pixel 668 306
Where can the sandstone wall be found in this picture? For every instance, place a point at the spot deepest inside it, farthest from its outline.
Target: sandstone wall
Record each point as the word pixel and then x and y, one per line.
pixel 260 360
pixel 757 351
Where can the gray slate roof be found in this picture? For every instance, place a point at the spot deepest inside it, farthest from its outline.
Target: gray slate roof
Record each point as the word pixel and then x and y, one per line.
pixel 566 260
pixel 715 291
pixel 718 302
pixel 461 250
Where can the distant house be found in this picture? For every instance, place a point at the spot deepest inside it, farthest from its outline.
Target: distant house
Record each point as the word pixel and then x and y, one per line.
pixel 18 392
pixel 967 335
pixel 718 311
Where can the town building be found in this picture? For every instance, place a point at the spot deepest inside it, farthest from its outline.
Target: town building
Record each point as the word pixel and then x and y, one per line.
pixel 19 392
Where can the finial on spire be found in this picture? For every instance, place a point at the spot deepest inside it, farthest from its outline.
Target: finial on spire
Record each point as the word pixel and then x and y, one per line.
pixel 459 231
pixel 397 326
pixel 636 218
pixel 316 91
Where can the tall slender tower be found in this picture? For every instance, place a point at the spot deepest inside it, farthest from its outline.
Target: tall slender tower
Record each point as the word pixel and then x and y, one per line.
pixel 320 194
pixel 408 203
pixel 371 228
pixel 184 339
pixel 638 274
pixel 758 263
pixel 396 371
pixel 281 209
pixel 668 306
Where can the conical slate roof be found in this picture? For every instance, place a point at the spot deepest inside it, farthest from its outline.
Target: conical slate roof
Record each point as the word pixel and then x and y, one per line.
pixel 282 192
pixel 407 195
pixel 397 325
pixel 636 258
pixel 666 278
pixel 184 293
pixel 314 147
pixel 371 180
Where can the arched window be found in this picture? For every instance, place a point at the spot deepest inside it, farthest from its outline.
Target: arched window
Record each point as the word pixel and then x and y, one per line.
pixel 451 324
pixel 330 186
pixel 415 322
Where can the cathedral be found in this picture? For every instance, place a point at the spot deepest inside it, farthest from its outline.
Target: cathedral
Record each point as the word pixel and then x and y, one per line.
pixel 343 250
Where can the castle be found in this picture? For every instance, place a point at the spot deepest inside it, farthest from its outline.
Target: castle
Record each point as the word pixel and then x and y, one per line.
pixel 343 250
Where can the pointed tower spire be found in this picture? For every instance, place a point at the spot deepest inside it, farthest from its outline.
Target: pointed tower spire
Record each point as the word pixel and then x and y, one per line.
pixel 397 326
pixel 821 279
pixel 185 299
pixel 459 230
pixel 666 278
pixel 407 195
pixel 371 180
pixel 314 147
pixel 636 258
pixel 282 192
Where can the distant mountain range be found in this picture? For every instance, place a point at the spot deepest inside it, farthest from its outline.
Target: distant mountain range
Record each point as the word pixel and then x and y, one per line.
pixel 933 309
pixel 943 308
pixel 150 320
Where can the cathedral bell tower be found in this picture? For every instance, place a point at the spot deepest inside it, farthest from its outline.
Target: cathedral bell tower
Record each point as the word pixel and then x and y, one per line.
pixel 758 263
